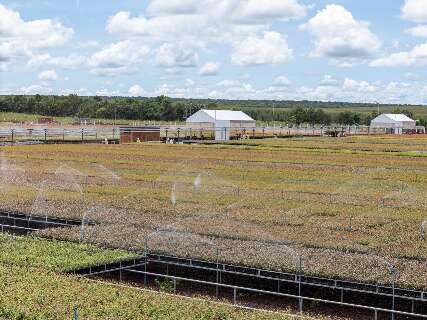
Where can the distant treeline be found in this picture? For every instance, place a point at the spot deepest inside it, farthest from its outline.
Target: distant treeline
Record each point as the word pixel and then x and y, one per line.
pixel 166 109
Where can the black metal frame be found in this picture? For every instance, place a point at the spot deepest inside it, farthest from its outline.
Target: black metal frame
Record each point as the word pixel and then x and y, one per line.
pixel 291 281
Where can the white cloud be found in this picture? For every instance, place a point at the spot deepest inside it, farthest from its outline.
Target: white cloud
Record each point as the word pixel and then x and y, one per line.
pixel 281 81
pixel 136 90
pixel 189 82
pixel 177 92
pixel 418 31
pixel 238 11
pixel 48 75
pixel 203 20
pixel 19 38
pixel 36 33
pixel 88 44
pixel 80 92
pixel 172 7
pixel 358 86
pixel 412 76
pixel 228 83
pixel 162 28
pixel 210 69
pixel 172 55
pixel 262 11
pixel 122 57
pixel 71 61
pixel 107 93
pixel 272 48
pixel 346 89
pixel 417 56
pixel 35 89
pixel 329 81
pixel 415 10
pixel 395 44
pixel 338 35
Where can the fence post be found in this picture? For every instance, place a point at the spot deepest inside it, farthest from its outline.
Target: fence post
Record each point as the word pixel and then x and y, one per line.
pixel 12 133
pixel 234 295
pixel 45 135
pixel 75 313
pixel 82 135
pixel 217 272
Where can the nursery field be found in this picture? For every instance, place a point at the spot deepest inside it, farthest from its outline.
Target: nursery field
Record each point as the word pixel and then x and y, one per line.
pixel 350 207
pixel 32 287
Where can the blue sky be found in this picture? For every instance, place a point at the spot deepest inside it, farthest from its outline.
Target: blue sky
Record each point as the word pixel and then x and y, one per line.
pixel 237 49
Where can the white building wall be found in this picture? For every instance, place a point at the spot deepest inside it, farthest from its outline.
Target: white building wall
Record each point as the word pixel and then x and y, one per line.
pixel 222 130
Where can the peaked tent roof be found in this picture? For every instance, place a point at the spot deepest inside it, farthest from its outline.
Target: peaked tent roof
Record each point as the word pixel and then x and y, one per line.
pixel 225 115
pixel 394 117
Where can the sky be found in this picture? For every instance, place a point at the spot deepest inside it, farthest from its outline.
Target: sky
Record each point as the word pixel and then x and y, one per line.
pixel 342 50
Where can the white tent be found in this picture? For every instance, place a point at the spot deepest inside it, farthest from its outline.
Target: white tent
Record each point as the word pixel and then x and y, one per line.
pixel 222 121
pixel 394 123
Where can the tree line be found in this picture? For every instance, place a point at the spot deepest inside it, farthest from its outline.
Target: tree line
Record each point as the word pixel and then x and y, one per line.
pixel 163 108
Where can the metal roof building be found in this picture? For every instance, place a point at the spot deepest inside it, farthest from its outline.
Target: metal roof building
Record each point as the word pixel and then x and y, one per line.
pixel 223 121
pixel 394 123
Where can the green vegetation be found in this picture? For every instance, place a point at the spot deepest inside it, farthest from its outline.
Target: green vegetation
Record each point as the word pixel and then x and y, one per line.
pixel 353 200
pixel 32 288
pixel 165 109
pixel 29 293
pixel 54 255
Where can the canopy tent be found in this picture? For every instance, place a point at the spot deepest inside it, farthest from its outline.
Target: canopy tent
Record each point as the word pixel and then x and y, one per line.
pixel 222 121
pixel 394 123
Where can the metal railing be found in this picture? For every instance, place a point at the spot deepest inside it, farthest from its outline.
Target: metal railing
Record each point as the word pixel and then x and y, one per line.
pixel 379 291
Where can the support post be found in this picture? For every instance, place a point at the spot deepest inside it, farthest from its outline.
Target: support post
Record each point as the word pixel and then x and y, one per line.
pixel 145 259
pixel 217 272
pixel 393 299
pixel 300 285
pixel 75 313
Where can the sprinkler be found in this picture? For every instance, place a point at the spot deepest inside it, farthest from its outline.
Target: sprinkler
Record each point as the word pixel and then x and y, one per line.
pixel 173 195
pixel 423 227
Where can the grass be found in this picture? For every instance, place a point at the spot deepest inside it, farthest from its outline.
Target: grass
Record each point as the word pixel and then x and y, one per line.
pixel 33 288
pixel 36 294
pixel 25 117
pixel 16 117
pixel 355 201
pixel 54 255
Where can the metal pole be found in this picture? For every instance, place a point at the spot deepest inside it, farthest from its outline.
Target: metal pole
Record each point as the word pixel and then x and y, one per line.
pixel 393 299
pixel 145 259
pixel 75 313
pixel 217 271
pixel 299 285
